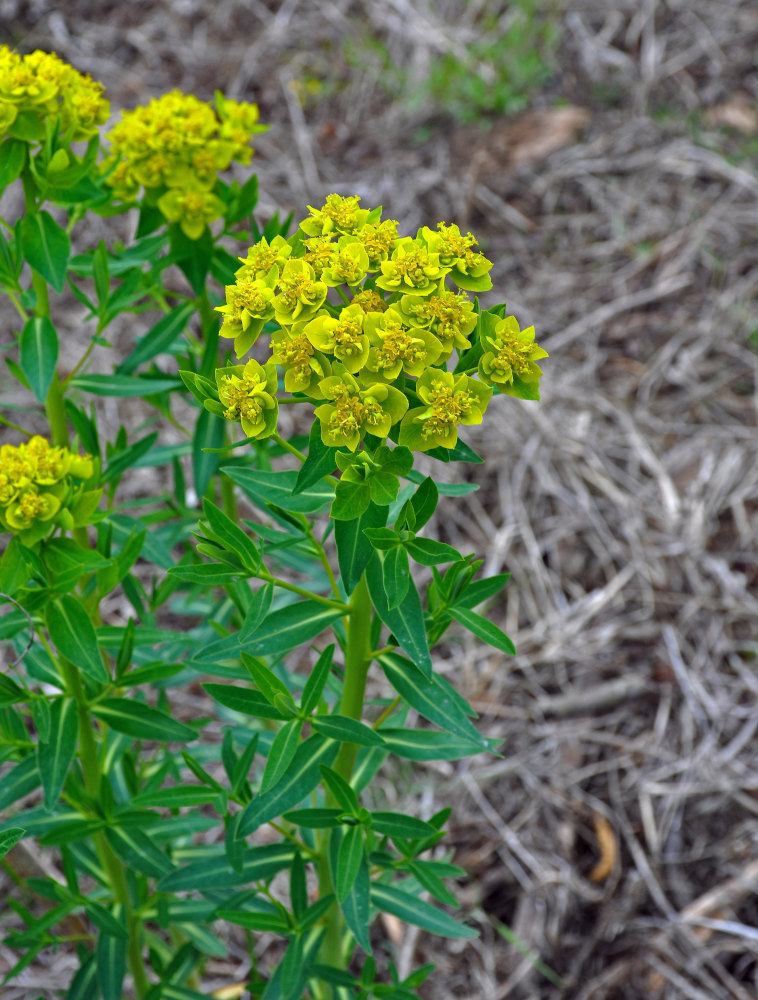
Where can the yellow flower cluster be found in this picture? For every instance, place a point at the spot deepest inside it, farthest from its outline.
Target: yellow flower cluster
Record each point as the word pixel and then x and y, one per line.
pixel 174 148
pixel 379 355
pixel 35 480
pixel 41 85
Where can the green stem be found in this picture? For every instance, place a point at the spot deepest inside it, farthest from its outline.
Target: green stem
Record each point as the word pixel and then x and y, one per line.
pixel 112 866
pixel 293 587
pixel 288 447
pixel 357 661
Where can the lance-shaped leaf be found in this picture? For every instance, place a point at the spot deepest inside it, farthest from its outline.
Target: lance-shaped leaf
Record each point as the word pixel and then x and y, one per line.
pixel 142 722
pixel 74 635
pixel 353 547
pixel 283 749
pixel 301 778
pixel 209 434
pixel 242 699
pixel 356 907
pixel 138 850
pixel 110 955
pixel 259 863
pixel 319 462
pixel 9 838
pixel 412 910
pixel 232 536
pixel 349 859
pixel 406 622
pixel 316 682
pixel 257 610
pixel 55 756
pixel 397 825
pixel 346 730
pixel 430 744
pixel 38 354
pixel 19 782
pixel 483 629
pixel 124 385
pixel 46 247
pixel 264 487
pixel 159 338
pixel 429 697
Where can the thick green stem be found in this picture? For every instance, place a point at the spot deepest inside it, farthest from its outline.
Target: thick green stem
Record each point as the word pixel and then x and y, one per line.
pixel 112 867
pixel 56 413
pixel 357 661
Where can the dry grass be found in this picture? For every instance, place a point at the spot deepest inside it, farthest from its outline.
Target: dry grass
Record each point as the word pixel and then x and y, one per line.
pixel 617 837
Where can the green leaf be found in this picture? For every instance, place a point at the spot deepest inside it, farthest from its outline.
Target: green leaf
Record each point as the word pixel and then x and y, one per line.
pixel 264 487
pixel 255 920
pixel 9 838
pixel 429 697
pixel 176 796
pixel 137 850
pixel 346 730
pixel 38 354
pixel 12 159
pixel 302 777
pixel 284 629
pixel 430 552
pixel 429 744
pixel 158 339
pixel 298 888
pixel 244 202
pixel 46 247
pixel 356 907
pixel 56 755
pixel 124 385
pixel 353 547
pixel 74 635
pixel 274 690
pixel 210 431
pixel 319 462
pixel 461 453
pixel 424 502
pixel 258 608
pixel 192 257
pixel 482 590
pixel 314 686
pixel 100 273
pixel 234 538
pixel 211 873
pixel 314 819
pixel 110 955
pixel 351 500
pixel 142 722
pixel 396 576
pixel 431 882
pixel 406 622
pixel 120 461
pixel 341 790
pixel 243 700
pixel 483 629
pixel 397 825
pixel 281 754
pixel 406 907
pixel 349 859
pixel 210 574
pixel 19 782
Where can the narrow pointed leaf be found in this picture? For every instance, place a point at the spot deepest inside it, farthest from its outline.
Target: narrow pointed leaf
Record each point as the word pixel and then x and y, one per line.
pixel 316 682
pixel 406 622
pixel 346 730
pixel 256 612
pixel 73 633
pixel 429 697
pixel 142 722
pixel 351 854
pixel 302 777
pixel 209 433
pixel 46 247
pixel 319 462
pixel 396 576
pixel 412 910
pixel 483 629
pixel 235 539
pixel 9 838
pixel 110 955
pixel 56 755
pixel 353 547
pixel 356 907
pixel 138 850
pixel 38 354
pixel 283 749
pixel 259 863
pixel 158 338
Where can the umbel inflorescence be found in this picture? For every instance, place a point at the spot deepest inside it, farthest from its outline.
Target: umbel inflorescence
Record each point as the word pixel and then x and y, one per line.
pixel 41 86
pixel 174 147
pixel 37 488
pixel 364 323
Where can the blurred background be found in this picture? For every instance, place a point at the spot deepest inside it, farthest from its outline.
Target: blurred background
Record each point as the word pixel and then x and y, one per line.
pixel 604 153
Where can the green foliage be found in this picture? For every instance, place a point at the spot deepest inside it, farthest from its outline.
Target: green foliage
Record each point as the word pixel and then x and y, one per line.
pixel 152 798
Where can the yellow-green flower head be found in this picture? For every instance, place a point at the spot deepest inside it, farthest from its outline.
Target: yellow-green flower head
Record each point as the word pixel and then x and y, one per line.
pixel 449 315
pixel 262 257
pixel 468 268
pixel 343 337
pixel 249 303
pixel 337 215
pixel 348 266
pixel 179 142
pixel 369 300
pixel 396 347
pixel 192 209
pixel 448 401
pixel 249 395
pixel 320 251
pixel 304 366
pixel 354 410
pixel 34 479
pixel 301 295
pixel 41 85
pixel 30 507
pixel 509 357
pixel 378 239
pixel 412 268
